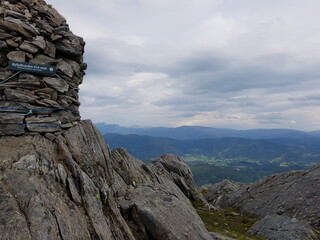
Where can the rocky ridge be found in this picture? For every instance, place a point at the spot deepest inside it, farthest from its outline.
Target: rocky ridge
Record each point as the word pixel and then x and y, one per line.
pixel 75 187
pixel 289 201
pixel 33 32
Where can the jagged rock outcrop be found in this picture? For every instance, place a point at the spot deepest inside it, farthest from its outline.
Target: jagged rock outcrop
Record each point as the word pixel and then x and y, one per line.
pixel 217 193
pixel 293 194
pixel 275 227
pixel 72 186
pixel 33 32
pixel 177 171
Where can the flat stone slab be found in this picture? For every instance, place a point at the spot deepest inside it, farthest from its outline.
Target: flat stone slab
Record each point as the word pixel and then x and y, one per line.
pixel 47 124
pixel 11 129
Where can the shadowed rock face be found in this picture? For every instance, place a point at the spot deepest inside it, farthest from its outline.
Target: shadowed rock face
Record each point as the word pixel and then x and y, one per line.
pixel 33 32
pixel 73 187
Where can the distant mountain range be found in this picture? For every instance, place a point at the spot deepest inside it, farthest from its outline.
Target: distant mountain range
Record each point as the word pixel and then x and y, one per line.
pixel 281 150
pixel 214 154
pixel 198 132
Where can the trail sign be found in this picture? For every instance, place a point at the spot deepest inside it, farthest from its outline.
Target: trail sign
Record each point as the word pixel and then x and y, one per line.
pixel 29 67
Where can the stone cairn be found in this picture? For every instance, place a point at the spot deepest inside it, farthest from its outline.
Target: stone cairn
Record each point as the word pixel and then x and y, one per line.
pixel 33 32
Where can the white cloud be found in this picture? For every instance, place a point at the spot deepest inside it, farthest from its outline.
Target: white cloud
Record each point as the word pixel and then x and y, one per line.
pixel 225 63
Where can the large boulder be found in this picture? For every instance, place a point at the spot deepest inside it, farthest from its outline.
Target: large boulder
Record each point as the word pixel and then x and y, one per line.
pixel 275 227
pixel 176 170
pixel 295 194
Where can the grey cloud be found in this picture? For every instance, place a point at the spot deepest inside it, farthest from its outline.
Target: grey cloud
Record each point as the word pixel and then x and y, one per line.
pixel 219 56
pixel 197 63
pixel 111 56
pixel 271 118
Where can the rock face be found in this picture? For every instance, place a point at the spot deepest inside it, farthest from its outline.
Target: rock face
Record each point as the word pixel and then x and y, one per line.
pixel 177 171
pixel 276 227
pixel 294 194
pixel 32 31
pixel 72 186
pixel 218 193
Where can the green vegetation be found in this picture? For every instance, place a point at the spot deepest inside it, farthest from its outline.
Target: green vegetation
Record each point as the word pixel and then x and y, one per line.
pixel 204 173
pixel 237 159
pixel 228 222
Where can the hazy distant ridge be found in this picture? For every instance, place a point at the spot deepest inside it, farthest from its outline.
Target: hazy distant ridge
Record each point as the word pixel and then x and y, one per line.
pixel 198 132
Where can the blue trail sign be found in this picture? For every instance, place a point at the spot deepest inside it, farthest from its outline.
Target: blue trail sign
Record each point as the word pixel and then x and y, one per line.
pixel 29 67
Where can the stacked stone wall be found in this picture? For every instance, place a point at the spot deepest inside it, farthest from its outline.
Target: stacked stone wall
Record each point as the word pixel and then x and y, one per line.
pixel 32 31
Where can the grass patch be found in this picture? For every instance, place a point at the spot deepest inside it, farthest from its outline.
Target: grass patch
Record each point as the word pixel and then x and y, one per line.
pixel 228 222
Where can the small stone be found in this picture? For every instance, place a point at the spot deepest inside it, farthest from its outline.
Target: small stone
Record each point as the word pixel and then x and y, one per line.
pixel 48 91
pixel 50 136
pixel 50 50
pixel 15 27
pixel 75 66
pixel 4 74
pixel 12 43
pixel 27 46
pixel 62 174
pixel 2 11
pixel 65 68
pixel 18 56
pixel 56 37
pixel 18 40
pixel 22 85
pixel 56 83
pixel 65 116
pixel 15 14
pixel 39 42
pixel 46 124
pixel 27 77
pixel 11 118
pixel 84 66
pixel 42 59
pixel 71 45
pixel 29 55
pixel 43 25
pixel 3 59
pixel 51 103
pixel 73 191
pixel 67 125
pixel 72 100
pixel 19 96
pixel 28 15
pixel 30 28
pixel 11 129
pixel 3 46
pixel 4 36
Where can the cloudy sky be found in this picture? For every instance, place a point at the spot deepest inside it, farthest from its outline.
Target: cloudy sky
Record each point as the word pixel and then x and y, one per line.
pixel 239 64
